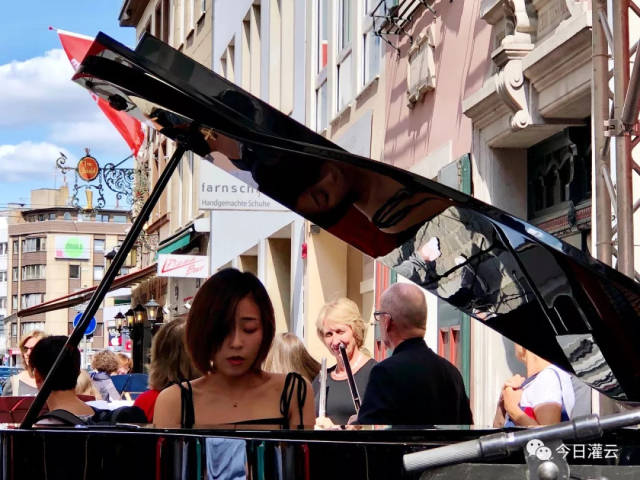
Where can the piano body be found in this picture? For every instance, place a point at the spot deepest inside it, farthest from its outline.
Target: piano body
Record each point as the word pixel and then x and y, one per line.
pixel 546 295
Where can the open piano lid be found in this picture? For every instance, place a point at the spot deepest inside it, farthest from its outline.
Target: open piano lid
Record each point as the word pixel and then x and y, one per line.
pixel 531 287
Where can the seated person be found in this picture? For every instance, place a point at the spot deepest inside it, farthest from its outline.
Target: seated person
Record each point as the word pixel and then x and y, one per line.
pixel 229 331
pixel 23 383
pixel 63 384
pixel 106 364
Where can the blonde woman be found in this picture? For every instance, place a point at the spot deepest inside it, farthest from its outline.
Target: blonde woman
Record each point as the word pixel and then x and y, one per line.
pixel 288 354
pixel 170 363
pixel 340 322
pixel 24 383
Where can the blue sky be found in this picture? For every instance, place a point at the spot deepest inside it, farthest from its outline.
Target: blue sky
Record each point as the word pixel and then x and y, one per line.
pixel 41 111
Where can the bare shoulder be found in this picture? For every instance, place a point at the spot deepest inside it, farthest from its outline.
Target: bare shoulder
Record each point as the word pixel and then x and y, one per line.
pixel 168 407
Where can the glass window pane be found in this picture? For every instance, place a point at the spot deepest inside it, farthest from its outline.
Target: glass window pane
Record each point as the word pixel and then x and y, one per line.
pixel 321 107
pixel 345 23
pixel 344 82
pixel 371 56
pixel 323 37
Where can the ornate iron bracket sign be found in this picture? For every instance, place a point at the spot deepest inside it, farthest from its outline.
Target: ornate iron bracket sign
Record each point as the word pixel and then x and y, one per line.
pixel 118 180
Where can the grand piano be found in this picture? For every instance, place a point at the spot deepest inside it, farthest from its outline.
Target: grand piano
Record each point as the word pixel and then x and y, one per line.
pixel 536 290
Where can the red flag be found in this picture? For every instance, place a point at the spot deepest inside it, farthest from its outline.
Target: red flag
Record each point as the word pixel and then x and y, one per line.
pixel 76 47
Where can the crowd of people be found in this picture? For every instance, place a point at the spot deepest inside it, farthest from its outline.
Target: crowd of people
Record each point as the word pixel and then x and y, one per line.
pixel 225 364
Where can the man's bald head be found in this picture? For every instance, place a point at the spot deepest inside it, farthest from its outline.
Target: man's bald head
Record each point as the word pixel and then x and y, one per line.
pixel 406 304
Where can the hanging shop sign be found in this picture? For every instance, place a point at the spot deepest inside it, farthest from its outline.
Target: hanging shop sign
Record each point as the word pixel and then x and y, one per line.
pixel 88 168
pixel 220 190
pixel 75 247
pixel 183 266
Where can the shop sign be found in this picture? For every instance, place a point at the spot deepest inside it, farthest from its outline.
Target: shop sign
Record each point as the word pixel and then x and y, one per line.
pixel 88 168
pixel 75 247
pixel 220 190
pixel 183 266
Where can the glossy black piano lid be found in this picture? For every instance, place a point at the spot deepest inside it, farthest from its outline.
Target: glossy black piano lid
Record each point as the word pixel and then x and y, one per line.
pixel 540 292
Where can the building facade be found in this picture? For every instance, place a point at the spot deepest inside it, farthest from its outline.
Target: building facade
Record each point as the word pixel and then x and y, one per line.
pixel 4 250
pixel 55 250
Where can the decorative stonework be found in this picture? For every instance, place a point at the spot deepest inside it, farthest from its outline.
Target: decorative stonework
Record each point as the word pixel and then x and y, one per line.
pixel 421 74
pixel 520 22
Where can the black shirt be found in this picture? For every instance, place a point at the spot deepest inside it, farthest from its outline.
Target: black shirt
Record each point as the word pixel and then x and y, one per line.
pixel 415 387
pixel 339 402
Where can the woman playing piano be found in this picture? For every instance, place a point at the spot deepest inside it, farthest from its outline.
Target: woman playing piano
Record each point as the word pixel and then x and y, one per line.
pixel 229 332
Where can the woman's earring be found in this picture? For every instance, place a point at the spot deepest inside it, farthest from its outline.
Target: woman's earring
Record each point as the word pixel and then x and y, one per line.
pixel 211 366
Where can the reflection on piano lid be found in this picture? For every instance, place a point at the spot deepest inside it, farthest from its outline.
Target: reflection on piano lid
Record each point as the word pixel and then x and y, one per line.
pixel 538 291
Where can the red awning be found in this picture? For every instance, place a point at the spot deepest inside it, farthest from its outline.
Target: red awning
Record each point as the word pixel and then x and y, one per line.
pixel 76 298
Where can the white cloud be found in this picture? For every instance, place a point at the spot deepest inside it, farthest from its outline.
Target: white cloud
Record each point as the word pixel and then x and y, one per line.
pixel 28 161
pixel 39 90
pixel 95 132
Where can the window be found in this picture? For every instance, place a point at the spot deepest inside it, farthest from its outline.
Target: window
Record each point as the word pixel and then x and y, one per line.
pixel 33 272
pixel 31 299
pixel 34 245
pixel 3 302
pixel 323 35
pixel 52 216
pixel 345 24
pixel 120 218
pixel 85 217
pixel 371 51
pixel 321 107
pixel 28 327
pixel 41 217
pixel 4 246
pixel 98 244
pixel 74 271
pixel 14 274
pixel 344 82
pixel 124 271
pixel 3 276
pixel 98 272
pixel 14 329
pixel 15 247
pixel 102 218
pixel 344 64
pixel 14 302
pixel 67 216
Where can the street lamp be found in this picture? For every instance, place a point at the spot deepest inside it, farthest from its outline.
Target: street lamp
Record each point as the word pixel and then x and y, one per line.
pixel 152 310
pixel 130 315
pixel 119 318
pixel 139 313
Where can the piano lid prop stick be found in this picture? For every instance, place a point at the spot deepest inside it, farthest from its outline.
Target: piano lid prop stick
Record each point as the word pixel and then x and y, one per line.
pixel 322 409
pixel 352 383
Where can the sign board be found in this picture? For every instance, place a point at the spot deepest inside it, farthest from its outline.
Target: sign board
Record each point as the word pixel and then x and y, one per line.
pixel 88 168
pixel 90 328
pixel 76 247
pixel 183 266
pixel 220 190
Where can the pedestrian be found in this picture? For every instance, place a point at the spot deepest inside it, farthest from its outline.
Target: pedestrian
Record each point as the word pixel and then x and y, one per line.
pixel 414 386
pixel 545 397
pixel 340 322
pixel 288 354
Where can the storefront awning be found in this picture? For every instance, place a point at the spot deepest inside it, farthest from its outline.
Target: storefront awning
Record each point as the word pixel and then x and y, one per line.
pixel 82 296
pixel 176 241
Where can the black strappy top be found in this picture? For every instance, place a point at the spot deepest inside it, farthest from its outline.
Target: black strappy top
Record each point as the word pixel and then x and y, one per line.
pixel 293 382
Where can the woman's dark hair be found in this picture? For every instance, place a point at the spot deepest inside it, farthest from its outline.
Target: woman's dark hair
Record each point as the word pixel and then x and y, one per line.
pixel 213 312
pixel 45 353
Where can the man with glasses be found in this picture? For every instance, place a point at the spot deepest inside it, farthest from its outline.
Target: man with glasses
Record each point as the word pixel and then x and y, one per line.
pixel 414 386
